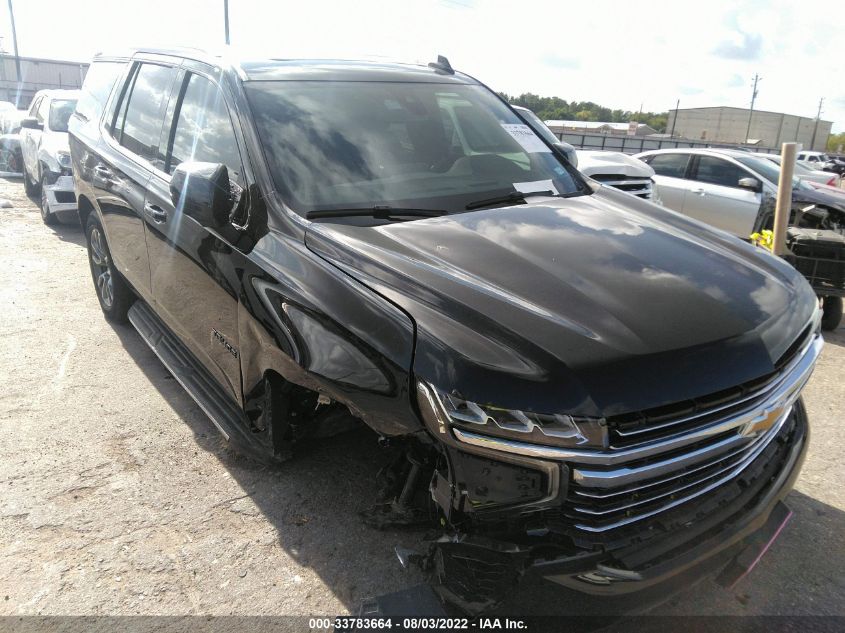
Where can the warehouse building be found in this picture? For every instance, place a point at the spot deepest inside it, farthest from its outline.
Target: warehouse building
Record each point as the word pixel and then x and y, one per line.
pixel 599 127
pixel 729 125
pixel 36 74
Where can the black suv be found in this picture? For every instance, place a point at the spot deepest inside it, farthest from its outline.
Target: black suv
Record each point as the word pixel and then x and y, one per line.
pixel 581 384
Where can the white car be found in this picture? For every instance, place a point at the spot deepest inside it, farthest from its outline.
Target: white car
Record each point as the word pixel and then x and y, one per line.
pixel 46 154
pixel 807 173
pixel 613 169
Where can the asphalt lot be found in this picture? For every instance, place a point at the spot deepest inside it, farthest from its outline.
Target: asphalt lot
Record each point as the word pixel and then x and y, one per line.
pixel 118 496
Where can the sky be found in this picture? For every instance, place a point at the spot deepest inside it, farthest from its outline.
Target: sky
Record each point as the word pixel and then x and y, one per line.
pixel 618 54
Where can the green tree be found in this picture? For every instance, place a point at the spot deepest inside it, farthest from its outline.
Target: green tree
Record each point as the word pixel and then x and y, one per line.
pixel 835 141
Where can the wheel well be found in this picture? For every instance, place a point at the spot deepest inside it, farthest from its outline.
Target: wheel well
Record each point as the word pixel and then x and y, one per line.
pixel 84 209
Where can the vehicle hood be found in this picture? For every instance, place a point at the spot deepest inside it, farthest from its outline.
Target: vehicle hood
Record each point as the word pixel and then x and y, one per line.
pixel 594 305
pixel 820 197
pixel 612 163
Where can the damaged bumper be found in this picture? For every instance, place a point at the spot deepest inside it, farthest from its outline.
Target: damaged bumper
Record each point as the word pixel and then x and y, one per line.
pixel 631 516
pixel 59 193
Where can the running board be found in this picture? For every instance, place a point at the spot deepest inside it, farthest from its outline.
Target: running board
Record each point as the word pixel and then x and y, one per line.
pixel 188 372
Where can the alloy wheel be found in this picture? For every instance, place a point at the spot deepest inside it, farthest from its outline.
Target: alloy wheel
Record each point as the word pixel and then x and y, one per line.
pixel 100 267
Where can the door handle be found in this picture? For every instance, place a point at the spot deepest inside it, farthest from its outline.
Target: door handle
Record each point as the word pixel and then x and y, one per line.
pixel 699 192
pixel 156 213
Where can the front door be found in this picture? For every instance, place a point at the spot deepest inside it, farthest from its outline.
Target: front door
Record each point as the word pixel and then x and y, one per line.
pixel 194 270
pixel 716 198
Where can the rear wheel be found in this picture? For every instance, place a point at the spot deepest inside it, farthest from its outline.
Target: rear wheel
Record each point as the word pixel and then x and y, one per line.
pixel 113 292
pixel 46 216
pixel 831 313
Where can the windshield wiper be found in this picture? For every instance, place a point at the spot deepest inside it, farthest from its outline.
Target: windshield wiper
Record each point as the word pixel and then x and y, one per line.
pixel 380 212
pixel 514 196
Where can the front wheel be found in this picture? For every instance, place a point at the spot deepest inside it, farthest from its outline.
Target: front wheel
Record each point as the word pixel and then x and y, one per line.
pixel 48 217
pixel 831 313
pixel 113 292
pixel 29 185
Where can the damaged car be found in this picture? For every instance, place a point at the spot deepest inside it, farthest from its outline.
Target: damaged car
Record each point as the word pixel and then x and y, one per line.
pixel 46 154
pixel 576 383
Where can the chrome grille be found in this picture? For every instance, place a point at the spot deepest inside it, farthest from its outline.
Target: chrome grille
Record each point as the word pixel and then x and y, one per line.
pixel 680 458
pixel 640 187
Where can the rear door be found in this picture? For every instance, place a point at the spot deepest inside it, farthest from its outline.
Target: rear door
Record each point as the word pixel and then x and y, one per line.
pixel 670 178
pixel 716 198
pixel 194 270
pixel 126 162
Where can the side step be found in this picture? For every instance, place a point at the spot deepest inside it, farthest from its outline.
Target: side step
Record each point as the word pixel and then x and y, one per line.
pixel 195 379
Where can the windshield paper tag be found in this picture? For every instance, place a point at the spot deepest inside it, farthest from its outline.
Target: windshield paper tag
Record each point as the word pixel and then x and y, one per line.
pixel 536 186
pixel 525 136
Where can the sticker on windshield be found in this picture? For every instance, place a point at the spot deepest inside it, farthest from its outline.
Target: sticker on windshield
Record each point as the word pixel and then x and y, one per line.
pixel 536 186
pixel 525 136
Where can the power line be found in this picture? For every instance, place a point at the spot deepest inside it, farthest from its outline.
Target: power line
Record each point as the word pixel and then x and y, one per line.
pixel 816 127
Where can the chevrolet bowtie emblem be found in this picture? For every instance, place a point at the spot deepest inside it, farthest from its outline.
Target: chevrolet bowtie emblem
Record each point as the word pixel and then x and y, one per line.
pixel 764 421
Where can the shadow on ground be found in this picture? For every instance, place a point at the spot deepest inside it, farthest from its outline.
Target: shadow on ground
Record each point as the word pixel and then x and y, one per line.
pixel 67 228
pixel 334 480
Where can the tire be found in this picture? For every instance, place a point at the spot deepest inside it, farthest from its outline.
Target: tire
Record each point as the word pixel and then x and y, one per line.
pixel 49 218
pixel 831 313
pixel 29 185
pixel 113 292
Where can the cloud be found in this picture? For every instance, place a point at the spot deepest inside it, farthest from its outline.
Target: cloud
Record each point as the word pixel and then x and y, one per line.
pixel 742 46
pixel 689 91
pixel 736 81
pixel 558 61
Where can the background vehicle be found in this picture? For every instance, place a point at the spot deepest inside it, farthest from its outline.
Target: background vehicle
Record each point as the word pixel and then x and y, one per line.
pixel 575 382
pixel 735 191
pixel 46 154
pixel 820 160
pixel 613 169
pixel 806 173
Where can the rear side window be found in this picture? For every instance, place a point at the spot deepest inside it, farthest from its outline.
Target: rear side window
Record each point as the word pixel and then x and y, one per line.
pixel 96 89
pixel 717 171
pixel 674 165
pixel 139 120
pixel 203 130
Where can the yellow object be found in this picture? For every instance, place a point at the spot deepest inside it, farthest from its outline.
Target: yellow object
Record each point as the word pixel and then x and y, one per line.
pixel 765 239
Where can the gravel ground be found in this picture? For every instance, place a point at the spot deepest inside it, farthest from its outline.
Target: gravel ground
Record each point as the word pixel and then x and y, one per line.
pixel 119 496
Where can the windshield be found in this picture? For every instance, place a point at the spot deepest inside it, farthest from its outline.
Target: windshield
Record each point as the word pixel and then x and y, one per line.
pixel 60 111
pixel 769 170
pixel 337 145
pixel 541 128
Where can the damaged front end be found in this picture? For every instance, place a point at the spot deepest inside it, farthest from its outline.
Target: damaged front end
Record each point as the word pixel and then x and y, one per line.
pixel 601 506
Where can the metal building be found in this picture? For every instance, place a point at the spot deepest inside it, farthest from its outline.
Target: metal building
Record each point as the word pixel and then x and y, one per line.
pixel 36 74
pixel 729 125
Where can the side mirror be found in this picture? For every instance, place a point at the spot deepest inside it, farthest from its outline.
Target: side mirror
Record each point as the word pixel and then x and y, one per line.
pixel 31 123
pixel 750 183
pixel 204 192
pixel 567 150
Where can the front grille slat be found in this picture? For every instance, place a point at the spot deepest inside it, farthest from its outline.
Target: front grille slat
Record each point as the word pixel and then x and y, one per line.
pixel 604 497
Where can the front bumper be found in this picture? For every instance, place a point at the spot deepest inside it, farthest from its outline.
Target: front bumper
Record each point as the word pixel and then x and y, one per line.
pixel 60 195
pixel 618 521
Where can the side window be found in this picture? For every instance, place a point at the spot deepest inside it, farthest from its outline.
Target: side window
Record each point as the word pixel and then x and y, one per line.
pixel 717 171
pixel 203 130
pixel 138 124
pixel 674 165
pixel 33 109
pixel 43 110
pixel 96 89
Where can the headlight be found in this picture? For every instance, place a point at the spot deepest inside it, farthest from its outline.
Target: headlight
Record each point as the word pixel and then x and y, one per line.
pixel 449 410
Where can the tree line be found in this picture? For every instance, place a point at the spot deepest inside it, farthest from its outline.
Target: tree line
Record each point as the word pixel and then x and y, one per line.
pixel 559 109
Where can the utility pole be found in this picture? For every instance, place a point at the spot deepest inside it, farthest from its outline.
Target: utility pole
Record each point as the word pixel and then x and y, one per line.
pixel 751 112
pixel 675 119
pixel 816 128
pixel 15 47
pixel 225 18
